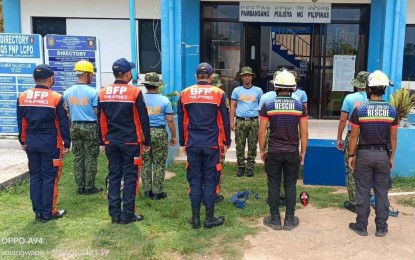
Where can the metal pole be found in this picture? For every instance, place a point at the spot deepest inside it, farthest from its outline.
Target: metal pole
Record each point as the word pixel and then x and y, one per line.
pixel 133 30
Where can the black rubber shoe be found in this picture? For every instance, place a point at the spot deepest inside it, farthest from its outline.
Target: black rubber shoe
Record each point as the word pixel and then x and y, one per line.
pixel 195 219
pixel 148 194
pixel 115 220
pixel 81 191
pixel 350 206
pixel 381 232
pixel 135 218
pixel 93 191
pixel 215 222
pixel 57 215
pixel 291 222
pixel 241 172
pixel 250 173
pixel 360 231
pixel 273 222
pixel 159 196
pixel 219 198
pixel 38 218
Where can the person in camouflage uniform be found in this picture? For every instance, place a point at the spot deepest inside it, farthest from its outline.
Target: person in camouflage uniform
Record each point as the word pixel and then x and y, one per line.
pixel 81 100
pixel 244 106
pixel 350 102
pixel 160 113
pixel 217 83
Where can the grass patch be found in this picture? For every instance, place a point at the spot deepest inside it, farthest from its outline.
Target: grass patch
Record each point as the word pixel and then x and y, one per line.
pixel 404 183
pixel 164 233
pixel 410 202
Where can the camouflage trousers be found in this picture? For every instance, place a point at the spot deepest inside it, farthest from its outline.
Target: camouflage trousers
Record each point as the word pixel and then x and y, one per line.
pixel 246 130
pixel 282 189
pixel 351 183
pixel 154 162
pixel 85 148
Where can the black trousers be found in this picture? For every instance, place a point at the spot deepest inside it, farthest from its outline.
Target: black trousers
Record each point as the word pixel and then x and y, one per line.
pixel 203 175
pixel 124 162
pixel 276 165
pixel 372 168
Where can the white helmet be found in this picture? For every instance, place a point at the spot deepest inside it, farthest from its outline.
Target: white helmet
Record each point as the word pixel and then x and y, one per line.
pixel 284 79
pixel 378 78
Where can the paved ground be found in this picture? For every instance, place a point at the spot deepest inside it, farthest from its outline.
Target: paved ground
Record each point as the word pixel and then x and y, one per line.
pixel 13 162
pixel 324 234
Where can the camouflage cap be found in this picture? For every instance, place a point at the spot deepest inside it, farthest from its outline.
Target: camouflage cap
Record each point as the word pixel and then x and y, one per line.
pixel 246 71
pixel 294 73
pixel 216 81
pixel 153 79
pixel 360 80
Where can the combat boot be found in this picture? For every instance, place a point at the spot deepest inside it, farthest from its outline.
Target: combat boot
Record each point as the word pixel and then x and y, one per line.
pixel 211 221
pixel 195 220
pixel 250 173
pixel 273 222
pixel 359 230
pixel 93 191
pixel 241 172
pixel 291 222
pixel 159 196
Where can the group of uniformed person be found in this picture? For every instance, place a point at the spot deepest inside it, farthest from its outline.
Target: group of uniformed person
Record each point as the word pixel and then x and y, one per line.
pixel 131 127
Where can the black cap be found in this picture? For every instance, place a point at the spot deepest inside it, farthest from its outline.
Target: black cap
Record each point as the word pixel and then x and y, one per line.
pixel 42 71
pixel 122 66
pixel 204 68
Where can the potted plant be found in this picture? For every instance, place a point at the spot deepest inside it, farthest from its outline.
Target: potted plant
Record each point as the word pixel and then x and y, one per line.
pixel 403 101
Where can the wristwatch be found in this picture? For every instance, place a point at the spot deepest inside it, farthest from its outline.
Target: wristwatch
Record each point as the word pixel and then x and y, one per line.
pixel 352 155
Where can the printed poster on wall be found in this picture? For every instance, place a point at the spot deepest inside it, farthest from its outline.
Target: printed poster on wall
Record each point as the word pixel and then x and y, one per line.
pixel 62 52
pixel 19 55
pixel 343 72
pixel 285 12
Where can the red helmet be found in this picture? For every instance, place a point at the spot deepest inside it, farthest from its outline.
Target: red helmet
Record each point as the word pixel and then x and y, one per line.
pixel 304 197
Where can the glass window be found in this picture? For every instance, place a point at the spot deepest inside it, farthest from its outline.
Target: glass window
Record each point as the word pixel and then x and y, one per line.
pixel 343 13
pixel 408 68
pixel 49 25
pixel 221 47
pixel 221 11
pixel 149 46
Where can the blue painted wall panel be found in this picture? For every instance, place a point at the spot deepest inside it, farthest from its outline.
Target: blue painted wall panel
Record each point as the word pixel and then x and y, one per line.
pixel 11 9
pixel 405 153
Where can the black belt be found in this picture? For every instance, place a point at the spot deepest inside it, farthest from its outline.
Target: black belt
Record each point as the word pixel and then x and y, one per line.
pixel 84 122
pixel 247 118
pixel 380 147
pixel 158 127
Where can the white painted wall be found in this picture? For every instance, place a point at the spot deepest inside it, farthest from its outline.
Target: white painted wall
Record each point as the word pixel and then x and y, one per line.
pixel 114 38
pixel 410 14
pixel 148 9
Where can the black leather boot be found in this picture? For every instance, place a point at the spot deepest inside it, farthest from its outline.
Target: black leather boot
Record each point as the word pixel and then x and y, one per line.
pixel 211 221
pixel 195 220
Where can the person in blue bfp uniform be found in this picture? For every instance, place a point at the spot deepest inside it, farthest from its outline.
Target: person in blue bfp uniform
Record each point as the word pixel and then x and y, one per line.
pixel 204 129
pixel 44 134
pixel 375 123
pixel 125 131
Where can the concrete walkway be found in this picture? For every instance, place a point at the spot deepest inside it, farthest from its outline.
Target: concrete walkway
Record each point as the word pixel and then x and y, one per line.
pixel 13 166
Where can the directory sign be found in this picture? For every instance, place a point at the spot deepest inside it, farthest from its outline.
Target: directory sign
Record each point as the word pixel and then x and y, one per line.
pixel 62 52
pixel 19 55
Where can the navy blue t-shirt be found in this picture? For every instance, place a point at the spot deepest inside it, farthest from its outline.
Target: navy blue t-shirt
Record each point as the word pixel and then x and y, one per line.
pixel 375 119
pixel 284 115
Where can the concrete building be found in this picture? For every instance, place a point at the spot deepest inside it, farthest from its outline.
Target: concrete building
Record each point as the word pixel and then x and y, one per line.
pixel 173 36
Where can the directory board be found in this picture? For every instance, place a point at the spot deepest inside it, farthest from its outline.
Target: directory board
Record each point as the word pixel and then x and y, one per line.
pixel 62 52
pixel 19 55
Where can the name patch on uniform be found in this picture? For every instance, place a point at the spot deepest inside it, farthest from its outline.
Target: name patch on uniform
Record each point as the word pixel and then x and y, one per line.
pixel 116 92
pixel 36 97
